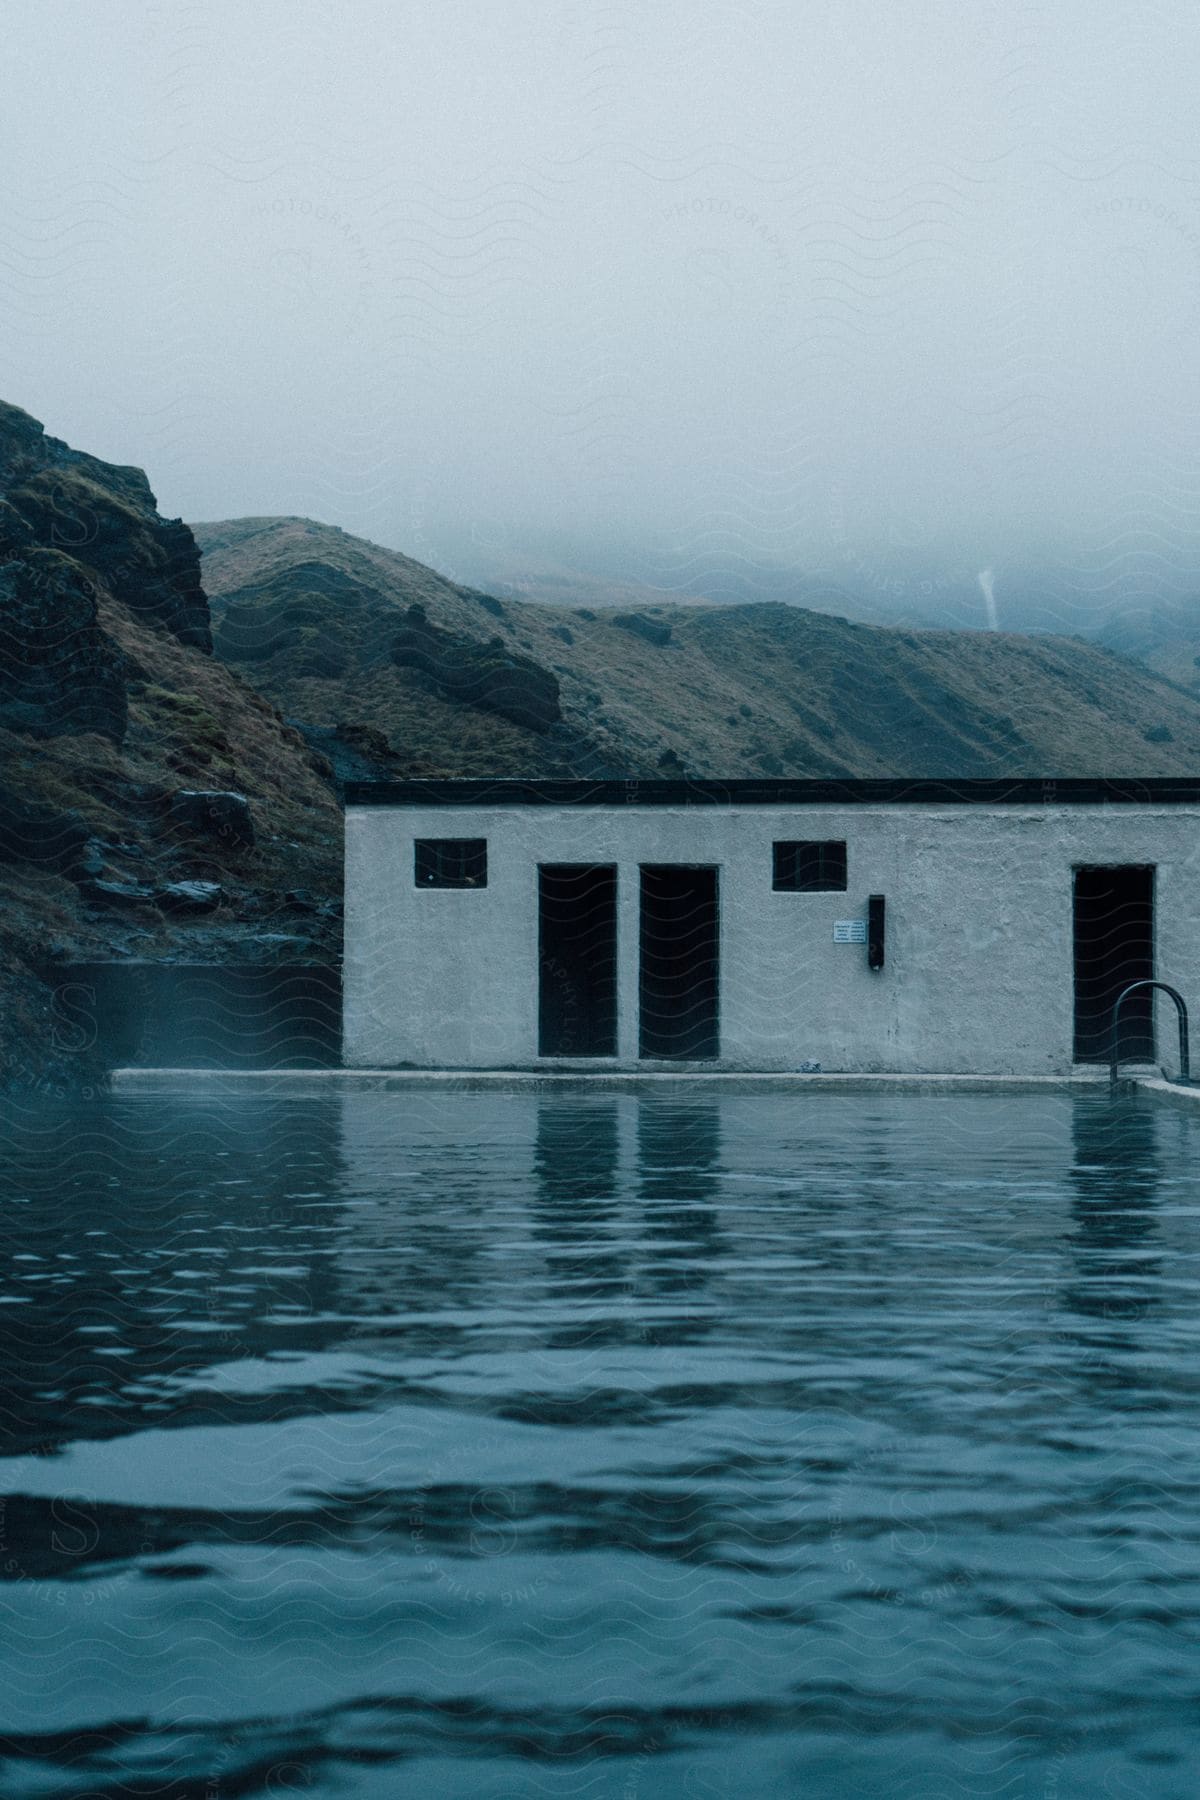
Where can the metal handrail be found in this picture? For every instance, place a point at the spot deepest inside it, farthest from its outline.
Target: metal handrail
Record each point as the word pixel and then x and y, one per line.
pixel 1185 1073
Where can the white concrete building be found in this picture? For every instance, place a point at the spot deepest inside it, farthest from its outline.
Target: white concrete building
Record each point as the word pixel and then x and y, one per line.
pixel 975 927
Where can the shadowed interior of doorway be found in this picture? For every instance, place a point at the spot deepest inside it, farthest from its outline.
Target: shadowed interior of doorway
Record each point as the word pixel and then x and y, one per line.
pixel 1114 946
pixel 577 959
pixel 679 1014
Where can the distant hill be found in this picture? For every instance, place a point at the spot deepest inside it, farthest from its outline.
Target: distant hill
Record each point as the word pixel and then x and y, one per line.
pixel 1166 639
pixel 551 585
pixel 349 638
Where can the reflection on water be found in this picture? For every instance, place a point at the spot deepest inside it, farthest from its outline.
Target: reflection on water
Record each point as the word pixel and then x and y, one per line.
pixel 518 1445
pixel 1115 1176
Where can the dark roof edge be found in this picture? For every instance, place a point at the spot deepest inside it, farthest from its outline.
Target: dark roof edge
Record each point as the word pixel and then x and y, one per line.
pixel 890 791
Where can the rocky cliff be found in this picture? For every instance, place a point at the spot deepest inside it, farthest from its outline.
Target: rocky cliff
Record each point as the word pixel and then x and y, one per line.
pixel 153 807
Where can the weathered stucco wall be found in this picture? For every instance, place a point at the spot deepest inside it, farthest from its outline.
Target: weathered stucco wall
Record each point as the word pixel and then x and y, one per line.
pixel 979 975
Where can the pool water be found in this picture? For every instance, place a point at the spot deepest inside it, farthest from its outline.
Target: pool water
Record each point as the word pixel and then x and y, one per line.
pixel 600 1445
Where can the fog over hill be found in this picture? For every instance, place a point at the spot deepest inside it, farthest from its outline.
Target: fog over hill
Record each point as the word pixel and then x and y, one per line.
pixel 341 633
pixel 831 304
pixel 902 586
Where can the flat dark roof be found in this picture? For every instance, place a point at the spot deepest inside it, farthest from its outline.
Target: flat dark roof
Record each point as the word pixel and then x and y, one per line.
pixel 1077 791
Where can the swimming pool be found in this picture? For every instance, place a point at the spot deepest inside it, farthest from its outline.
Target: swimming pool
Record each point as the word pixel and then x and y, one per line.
pixel 605 1444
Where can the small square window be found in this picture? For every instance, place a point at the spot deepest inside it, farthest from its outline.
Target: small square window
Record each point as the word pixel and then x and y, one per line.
pixel 451 862
pixel 817 867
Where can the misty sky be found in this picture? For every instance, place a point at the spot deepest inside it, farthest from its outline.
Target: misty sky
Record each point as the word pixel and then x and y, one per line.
pixel 883 293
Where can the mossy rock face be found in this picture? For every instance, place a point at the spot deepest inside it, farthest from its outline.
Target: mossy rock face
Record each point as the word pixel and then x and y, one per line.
pixel 104 519
pixel 323 660
pixel 134 768
pixel 211 813
pixel 365 738
pixel 488 676
pixel 249 633
pixel 314 618
pixel 43 836
pixel 76 533
pixel 60 674
pixel 307 632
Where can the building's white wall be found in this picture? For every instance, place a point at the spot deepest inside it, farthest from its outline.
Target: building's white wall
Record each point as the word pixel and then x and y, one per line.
pixel 979 973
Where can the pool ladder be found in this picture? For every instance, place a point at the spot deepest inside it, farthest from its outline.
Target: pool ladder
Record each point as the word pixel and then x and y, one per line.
pixel 1184 1077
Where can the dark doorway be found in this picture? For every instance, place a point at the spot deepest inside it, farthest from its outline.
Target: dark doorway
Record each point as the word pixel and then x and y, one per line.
pixel 577 959
pixel 680 962
pixel 1114 945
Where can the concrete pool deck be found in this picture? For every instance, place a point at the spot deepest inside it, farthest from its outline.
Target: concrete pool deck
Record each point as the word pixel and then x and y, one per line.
pixel 320 1081
pixel 1172 1091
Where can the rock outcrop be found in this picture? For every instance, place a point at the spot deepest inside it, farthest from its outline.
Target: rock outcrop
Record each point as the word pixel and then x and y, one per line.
pixel 59 670
pixel 655 631
pixel 152 806
pixel 208 813
pixel 489 675
pixel 308 619
pixel 101 518
pixel 44 836
pixel 76 533
pixel 324 625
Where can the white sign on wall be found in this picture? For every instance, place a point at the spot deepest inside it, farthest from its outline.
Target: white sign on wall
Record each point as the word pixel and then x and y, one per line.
pixel 849 931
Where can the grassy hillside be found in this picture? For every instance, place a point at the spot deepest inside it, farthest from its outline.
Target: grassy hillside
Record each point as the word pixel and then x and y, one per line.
pixel 323 623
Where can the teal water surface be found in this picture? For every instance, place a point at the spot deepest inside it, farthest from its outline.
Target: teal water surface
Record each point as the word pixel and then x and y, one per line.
pixel 599 1445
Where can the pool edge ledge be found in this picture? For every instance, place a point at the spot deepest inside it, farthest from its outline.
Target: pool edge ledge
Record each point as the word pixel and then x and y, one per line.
pixel 1170 1091
pixel 150 1081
